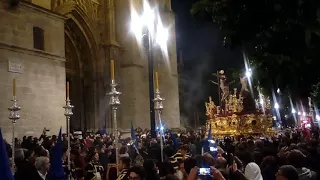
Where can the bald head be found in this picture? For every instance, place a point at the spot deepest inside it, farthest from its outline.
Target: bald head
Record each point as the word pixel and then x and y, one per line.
pixel 221 162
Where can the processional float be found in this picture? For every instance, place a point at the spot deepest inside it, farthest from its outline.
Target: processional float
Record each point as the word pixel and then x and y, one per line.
pixel 238 113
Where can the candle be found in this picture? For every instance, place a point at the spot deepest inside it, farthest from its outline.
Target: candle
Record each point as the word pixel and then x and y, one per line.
pixel 68 92
pixel 14 87
pixel 157 80
pixel 112 69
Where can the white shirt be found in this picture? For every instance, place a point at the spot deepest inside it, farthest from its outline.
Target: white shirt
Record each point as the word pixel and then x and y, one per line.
pixel 42 176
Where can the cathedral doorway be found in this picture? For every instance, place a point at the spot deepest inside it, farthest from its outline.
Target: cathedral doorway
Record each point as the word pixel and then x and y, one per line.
pixel 79 73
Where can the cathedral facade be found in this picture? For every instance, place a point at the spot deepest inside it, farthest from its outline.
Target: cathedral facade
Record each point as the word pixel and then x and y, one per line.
pixel 45 43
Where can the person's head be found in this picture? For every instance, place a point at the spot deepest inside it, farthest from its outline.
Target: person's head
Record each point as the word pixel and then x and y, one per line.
pixel 93 156
pixel 171 177
pixel 42 164
pixel 221 163
pixel 252 171
pixel 267 162
pixel 287 172
pixel 124 163
pixel 189 164
pixel 184 149
pixel 201 162
pixel 149 166
pixel 136 173
pixel 208 158
pixel 123 150
pixel 166 168
pixel 19 154
pixel 296 158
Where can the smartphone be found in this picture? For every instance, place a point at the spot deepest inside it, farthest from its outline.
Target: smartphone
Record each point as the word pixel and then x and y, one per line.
pixel 204 172
pixel 230 160
pixel 213 149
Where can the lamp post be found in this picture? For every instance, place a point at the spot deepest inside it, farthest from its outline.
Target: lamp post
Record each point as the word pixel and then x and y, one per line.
pixel 150 30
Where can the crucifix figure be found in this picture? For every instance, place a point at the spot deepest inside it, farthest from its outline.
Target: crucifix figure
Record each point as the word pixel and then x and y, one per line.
pixel 223 85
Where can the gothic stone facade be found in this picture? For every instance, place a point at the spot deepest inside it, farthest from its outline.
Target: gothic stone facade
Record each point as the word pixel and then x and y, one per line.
pixel 44 43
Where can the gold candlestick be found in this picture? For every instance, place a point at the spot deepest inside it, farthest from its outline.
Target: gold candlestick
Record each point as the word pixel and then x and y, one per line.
pixel 14 87
pixel 68 90
pixel 112 70
pixel 157 80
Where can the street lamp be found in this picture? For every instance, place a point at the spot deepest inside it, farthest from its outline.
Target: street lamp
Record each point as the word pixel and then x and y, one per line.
pixel 249 73
pixel 293 111
pixel 276 105
pixel 149 28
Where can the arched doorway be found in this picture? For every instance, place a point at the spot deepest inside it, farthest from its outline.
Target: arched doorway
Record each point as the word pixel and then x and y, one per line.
pixel 79 73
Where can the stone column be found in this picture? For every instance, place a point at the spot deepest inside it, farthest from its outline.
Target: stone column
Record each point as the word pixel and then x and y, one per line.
pixel 108 50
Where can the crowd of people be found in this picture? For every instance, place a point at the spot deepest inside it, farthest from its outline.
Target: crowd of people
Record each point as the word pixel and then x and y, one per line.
pixel 290 155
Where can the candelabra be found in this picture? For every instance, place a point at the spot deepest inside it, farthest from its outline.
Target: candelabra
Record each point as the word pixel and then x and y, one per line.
pixel 158 106
pixel 115 103
pixel 14 116
pixel 68 113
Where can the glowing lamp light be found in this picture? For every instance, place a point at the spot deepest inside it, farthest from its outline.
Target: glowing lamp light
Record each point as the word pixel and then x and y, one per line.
pixel 249 73
pixel 162 35
pixel 317 117
pixel 299 113
pixel 148 16
pixel 293 111
pixel 161 128
pixel 136 23
pixel 276 105
pixel 278 91
pixel 304 114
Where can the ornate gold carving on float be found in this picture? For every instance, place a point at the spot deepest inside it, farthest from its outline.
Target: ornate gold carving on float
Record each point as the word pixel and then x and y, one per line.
pixel 240 114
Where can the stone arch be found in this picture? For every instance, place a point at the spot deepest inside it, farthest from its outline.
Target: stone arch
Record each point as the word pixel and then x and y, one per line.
pixel 71 9
pixel 81 53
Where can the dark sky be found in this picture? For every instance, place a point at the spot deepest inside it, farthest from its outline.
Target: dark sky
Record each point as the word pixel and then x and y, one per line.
pixel 203 53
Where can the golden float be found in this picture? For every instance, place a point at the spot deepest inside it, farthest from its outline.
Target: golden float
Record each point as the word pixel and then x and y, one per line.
pixel 237 117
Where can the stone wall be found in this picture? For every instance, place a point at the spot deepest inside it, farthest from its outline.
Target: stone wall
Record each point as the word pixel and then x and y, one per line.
pixel 41 79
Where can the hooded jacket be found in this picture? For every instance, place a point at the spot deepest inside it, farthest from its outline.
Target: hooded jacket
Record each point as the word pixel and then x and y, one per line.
pixel 252 172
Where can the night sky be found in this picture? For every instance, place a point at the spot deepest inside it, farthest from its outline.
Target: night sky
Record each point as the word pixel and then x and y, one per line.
pixel 200 44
